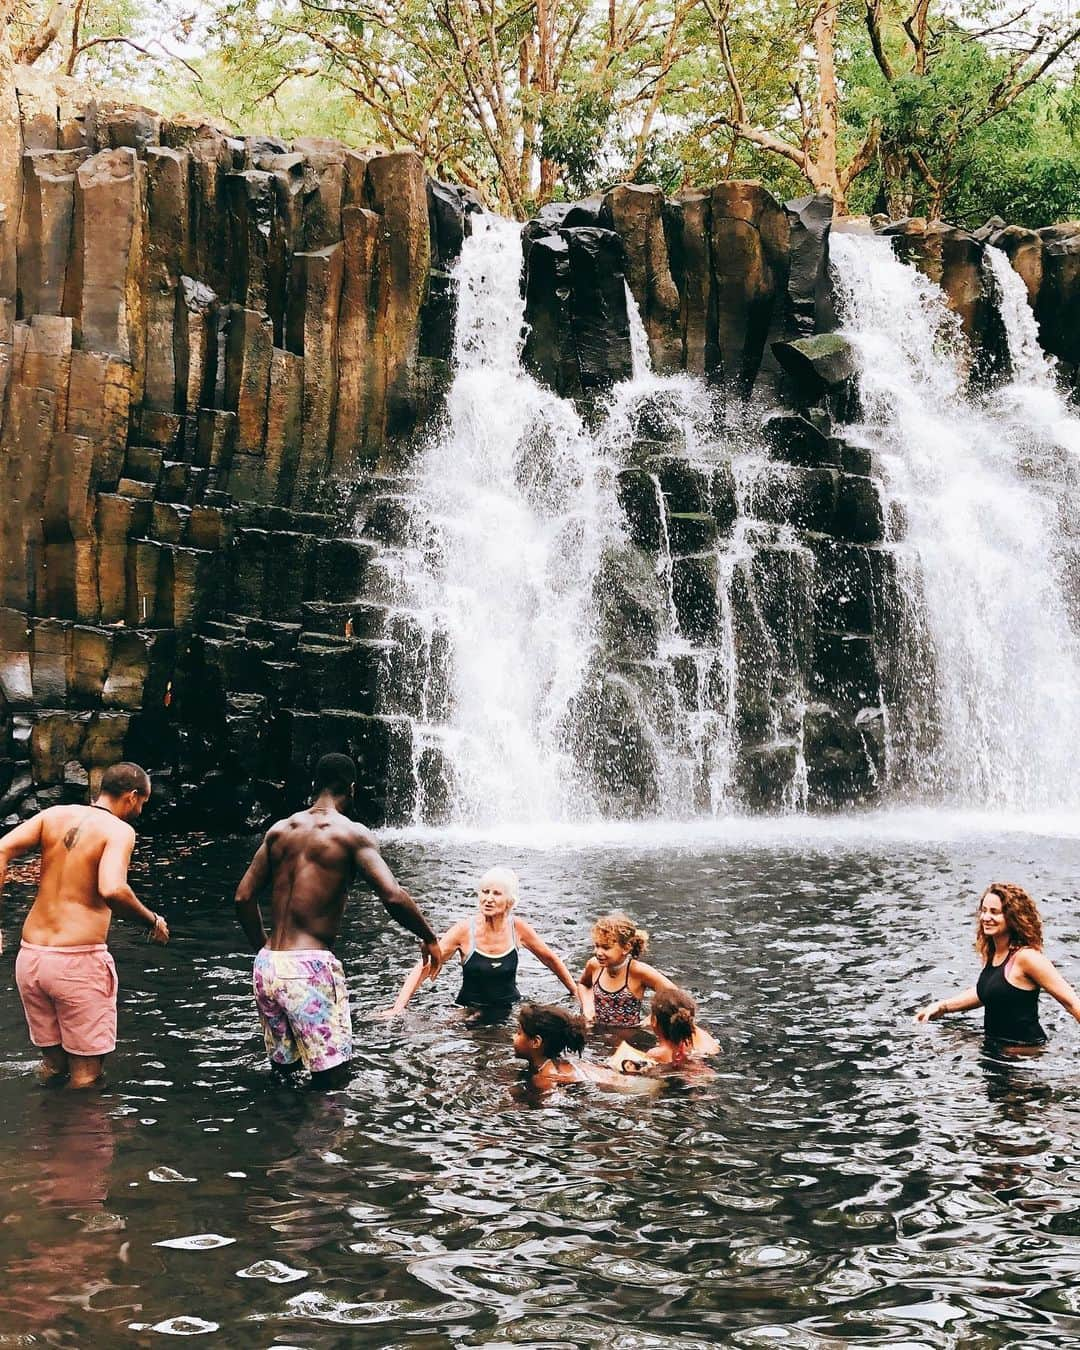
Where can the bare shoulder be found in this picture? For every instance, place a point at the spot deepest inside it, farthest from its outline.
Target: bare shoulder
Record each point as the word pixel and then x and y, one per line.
pixel 649 975
pixel 1029 959
pixel 360 835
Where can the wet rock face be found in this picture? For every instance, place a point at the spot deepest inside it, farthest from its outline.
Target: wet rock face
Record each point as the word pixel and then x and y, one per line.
pixel 952 258
pixel 711 274
pixel 194 329
pixel 578 333
pixel 1059 292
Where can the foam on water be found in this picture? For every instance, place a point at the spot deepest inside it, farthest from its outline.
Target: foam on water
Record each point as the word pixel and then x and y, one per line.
pixel 834 833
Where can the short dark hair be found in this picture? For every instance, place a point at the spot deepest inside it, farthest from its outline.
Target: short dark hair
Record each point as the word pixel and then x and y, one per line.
pixel 120 778
pixel 336 774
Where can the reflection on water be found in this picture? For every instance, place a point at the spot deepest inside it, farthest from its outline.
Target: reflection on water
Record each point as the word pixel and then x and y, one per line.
pixel 845 1178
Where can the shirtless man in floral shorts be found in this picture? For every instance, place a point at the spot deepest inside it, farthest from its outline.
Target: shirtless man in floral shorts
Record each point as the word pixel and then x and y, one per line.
pixel 308 862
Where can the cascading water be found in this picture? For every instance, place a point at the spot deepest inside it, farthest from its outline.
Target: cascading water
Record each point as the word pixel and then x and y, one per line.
pixel 561 675
pixel 511 503
pixel 984 489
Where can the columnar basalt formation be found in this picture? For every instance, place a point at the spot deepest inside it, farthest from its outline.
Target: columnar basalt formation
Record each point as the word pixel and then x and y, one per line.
pixel 217 355
pixel 203 341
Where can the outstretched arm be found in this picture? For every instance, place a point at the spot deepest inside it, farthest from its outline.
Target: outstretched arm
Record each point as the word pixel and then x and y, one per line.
pixel 449 943
pixel 398 903
pixel 114 889
pixel 955 1003
pixel 252 884
pixel 533 942
pixel 14 844
pixel 1042 970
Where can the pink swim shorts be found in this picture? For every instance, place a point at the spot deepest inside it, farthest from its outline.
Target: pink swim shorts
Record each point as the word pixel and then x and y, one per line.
pixel 69 996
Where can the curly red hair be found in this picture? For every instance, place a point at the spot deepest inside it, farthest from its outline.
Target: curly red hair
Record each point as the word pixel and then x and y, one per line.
pixel 1021 918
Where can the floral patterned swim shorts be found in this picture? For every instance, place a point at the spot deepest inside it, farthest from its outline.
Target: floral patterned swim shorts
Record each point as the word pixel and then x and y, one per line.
pixel 303 1007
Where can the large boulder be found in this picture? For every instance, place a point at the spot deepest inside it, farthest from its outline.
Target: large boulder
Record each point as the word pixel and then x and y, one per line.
pixel 819 368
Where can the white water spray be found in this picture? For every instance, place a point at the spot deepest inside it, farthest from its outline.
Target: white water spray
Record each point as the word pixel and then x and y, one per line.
pixel 514 511
pixel 980 483
pixel 514 496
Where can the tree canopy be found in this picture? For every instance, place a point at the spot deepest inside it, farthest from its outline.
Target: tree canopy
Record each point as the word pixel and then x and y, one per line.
pixel 955 110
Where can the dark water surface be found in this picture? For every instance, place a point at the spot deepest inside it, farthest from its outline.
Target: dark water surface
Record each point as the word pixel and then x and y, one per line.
pixel 846 1178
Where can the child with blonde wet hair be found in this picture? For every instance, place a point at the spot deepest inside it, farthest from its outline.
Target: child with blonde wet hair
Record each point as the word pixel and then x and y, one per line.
pixel 615 978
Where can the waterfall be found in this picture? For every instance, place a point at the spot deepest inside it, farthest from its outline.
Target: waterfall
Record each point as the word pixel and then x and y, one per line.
pixel 512 512
pixel 982 492
pixel 560 678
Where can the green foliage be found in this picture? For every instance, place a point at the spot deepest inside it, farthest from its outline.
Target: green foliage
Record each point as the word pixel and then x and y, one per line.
pixel 640 92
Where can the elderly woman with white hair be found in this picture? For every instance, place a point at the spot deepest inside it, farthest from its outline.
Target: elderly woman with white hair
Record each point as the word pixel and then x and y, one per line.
pixel 488 945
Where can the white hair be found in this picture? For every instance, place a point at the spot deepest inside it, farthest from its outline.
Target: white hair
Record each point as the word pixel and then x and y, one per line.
pixel 503 877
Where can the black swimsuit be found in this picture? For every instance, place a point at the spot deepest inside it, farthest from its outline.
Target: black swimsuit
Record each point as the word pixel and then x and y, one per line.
pixel 489 981
pixel 1011 1014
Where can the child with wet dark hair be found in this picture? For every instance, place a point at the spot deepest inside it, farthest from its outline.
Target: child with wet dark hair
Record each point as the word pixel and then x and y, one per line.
pixel 544 1034
pixel 678 1036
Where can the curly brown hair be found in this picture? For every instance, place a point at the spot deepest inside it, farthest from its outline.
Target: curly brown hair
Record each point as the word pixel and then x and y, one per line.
pixel 1021 918
pixel 621 928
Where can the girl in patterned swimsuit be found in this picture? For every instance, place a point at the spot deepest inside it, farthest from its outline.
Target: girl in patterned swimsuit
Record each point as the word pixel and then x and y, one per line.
pixel 615 979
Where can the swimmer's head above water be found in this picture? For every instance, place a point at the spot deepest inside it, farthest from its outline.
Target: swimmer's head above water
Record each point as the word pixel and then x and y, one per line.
pixel 673 1013
pixel 497 891
pixel 616 937
pixel 545 1033
pixel 1006 910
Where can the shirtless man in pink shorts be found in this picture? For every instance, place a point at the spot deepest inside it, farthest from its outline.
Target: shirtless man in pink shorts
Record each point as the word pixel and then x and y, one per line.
pixel 65 975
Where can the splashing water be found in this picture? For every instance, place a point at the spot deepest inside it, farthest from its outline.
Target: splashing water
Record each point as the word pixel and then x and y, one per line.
pixel 985 489
pixel 514 499
pixel 520 553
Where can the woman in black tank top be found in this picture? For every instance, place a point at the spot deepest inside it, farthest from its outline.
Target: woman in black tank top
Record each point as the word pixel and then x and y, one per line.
pixel 488 946
pixel 1008 937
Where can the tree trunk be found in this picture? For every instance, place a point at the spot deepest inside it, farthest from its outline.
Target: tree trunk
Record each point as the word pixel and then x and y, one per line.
pixel 824 35
pixel 899 193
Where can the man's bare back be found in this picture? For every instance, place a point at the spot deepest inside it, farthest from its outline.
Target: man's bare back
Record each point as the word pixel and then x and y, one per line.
pixel 69 910
pixel 313 857
pixel 307 862
pixel 65 975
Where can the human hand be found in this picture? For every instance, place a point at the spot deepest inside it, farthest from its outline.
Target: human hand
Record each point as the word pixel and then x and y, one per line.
pixel 385 1014
pixel 431 958
pixel 160 931
pixel 930 1013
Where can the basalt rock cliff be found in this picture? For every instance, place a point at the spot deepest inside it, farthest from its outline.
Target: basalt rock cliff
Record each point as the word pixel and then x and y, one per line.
pixel 217 356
